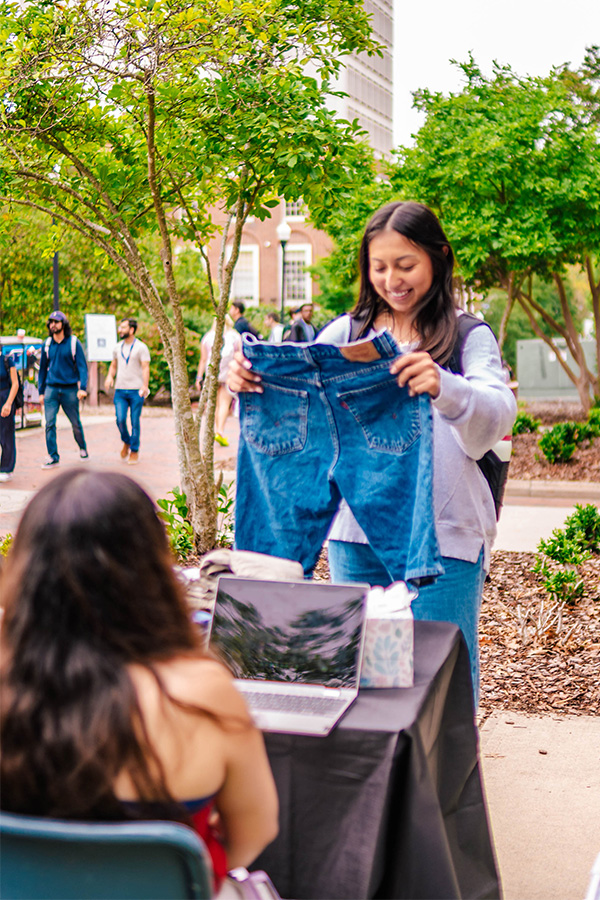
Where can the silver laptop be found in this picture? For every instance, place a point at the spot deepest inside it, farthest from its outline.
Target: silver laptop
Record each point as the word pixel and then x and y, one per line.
pixel 295 649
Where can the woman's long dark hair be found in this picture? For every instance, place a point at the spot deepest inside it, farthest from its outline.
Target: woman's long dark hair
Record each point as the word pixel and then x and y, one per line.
pixel 435 315
pixel 89 589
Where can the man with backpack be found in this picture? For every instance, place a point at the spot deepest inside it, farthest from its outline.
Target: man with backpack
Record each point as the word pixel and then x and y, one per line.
pixel 62 383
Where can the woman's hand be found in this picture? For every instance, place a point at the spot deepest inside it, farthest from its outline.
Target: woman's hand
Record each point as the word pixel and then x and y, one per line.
pixel 241 378
pixel 6 410
pixel 419 372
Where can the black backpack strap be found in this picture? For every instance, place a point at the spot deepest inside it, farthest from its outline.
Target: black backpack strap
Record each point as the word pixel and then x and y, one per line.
pixel 466 323
pixel 356 326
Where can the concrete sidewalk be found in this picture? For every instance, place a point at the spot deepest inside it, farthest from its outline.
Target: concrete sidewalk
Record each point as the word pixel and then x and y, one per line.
pixel 542 773
pixel 542 780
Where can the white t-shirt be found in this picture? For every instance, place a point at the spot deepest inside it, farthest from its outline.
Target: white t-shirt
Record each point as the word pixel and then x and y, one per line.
pixel 231 340
pixel 129 359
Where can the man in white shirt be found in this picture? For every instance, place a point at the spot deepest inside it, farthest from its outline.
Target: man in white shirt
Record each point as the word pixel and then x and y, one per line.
pixel 131 365
pixel 274 327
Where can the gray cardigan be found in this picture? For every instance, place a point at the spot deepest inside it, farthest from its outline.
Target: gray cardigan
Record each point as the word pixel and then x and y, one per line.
pixel 472 412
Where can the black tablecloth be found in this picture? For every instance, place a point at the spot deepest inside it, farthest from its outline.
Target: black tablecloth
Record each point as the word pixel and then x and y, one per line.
pixel 390 804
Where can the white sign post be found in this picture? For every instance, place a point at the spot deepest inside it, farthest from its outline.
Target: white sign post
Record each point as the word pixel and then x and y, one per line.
pixel 100 336
pixel 100 339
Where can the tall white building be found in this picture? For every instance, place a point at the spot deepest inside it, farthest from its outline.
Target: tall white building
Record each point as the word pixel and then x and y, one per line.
pixel 369 81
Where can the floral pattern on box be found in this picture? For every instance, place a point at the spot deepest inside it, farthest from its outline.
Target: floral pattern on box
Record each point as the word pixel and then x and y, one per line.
pixel 388 655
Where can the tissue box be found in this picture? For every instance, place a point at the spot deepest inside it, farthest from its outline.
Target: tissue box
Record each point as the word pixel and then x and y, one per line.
pixel 388 659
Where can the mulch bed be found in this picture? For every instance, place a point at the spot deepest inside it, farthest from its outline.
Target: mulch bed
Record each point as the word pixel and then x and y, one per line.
pixel 532 660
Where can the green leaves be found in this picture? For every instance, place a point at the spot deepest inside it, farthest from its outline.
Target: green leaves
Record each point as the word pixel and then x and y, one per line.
pixel 505 162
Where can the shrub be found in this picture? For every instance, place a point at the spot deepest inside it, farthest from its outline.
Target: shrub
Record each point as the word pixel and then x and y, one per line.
pixel 525 424
pixel 593 422
pixel 174 513
pixel 563 585
pixel 559 557
pixel 583 526
pixel 567 549
pixel 559 444
pixel 226 511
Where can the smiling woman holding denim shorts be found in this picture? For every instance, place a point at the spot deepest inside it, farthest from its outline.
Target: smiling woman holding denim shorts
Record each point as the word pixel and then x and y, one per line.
pixel 406 265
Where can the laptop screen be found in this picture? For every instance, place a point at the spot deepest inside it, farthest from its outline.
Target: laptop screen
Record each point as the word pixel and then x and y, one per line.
pixel 305 632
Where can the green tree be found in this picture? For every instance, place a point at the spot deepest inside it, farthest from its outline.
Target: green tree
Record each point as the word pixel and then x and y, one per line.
pixel 89 281
pixel 511 165
pixel 134 118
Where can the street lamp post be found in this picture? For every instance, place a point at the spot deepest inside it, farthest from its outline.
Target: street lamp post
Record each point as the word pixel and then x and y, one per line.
pixel 55 275
pixel 283 233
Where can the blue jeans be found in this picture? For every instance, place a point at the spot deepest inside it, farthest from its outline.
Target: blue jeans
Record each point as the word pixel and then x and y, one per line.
pixel 455 596
pixel 331 423
pixel 8 444
pixel 65 397
pixel 129 400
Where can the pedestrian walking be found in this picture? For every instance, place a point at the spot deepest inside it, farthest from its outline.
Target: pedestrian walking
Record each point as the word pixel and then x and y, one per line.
pixel 131 366
pixel 274 328
pixel 62 383
pixel 9 385
pixel 240 322
pixel 231 342
pixel 302 330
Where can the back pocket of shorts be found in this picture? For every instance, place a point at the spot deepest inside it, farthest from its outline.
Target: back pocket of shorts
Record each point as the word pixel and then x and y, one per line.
pixel 276 421
pixel 389 418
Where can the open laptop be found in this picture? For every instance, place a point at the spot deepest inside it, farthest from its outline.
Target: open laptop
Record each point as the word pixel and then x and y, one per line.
pixel 295 649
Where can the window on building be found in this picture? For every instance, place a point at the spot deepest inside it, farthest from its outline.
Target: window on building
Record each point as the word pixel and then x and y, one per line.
pixel 295 209
pixel 298 283
pixel 244 285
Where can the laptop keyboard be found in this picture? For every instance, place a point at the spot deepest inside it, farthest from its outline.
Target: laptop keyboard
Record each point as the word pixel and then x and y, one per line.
pixel 293 703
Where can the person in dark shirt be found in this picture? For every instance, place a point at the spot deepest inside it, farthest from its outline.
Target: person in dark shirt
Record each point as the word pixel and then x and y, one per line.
pixel 240 322
pixel 9 385
pixel 62 382
pixel 302 331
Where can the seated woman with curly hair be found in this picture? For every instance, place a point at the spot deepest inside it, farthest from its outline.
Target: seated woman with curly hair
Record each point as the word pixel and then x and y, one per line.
pixel 110 710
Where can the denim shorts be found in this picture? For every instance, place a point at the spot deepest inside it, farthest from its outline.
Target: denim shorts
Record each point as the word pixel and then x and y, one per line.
pixel 332 422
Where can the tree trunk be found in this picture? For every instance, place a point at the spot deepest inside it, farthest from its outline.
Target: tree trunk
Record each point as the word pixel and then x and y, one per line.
pixel 584 382
pixel 510 302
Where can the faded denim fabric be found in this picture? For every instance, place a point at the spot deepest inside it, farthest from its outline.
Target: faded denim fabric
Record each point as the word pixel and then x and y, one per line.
pixel 331 423
pixel 125 400
pixel 54 398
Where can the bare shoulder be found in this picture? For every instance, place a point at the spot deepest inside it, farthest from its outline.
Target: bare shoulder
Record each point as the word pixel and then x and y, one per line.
pixel 204 682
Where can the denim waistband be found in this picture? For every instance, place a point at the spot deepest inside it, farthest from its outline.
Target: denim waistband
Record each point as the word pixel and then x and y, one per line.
pixel 329 361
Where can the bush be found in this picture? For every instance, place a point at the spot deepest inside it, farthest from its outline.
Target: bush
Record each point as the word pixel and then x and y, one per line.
pixel 593 422
pixel 559 556
pixel 526 424
pixel 559 444
pixel 567 549
pixel 583 526
pixel 174 513
pixel 160 376
pixel 563 585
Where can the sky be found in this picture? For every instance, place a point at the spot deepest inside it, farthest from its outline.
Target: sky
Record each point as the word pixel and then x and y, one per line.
pixel 529 35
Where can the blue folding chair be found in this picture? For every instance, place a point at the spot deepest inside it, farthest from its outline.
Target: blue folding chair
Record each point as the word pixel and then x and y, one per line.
pixel 52 859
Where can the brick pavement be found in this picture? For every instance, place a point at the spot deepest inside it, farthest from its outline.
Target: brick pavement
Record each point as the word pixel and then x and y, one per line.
pixel 157 471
